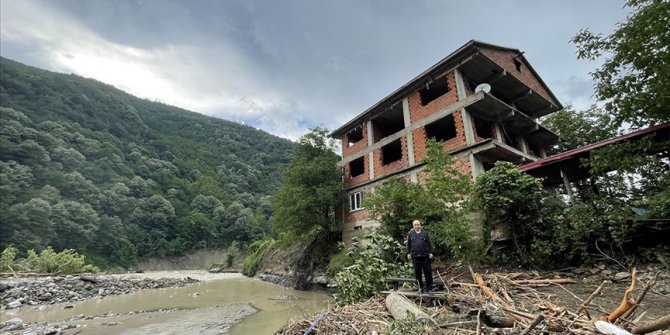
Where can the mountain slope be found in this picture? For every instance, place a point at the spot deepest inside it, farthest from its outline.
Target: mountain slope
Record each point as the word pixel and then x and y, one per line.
pixel 84 165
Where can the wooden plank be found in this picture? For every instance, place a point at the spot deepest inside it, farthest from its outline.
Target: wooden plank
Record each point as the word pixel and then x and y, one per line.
pixel 412 280
pixel 417 295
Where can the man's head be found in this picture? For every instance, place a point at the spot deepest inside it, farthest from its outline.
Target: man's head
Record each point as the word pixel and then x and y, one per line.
pixel 417 225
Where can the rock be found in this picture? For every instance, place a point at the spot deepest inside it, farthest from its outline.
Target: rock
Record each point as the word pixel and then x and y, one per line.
pixel 14 304
pixel 12 324
pixel 321 280
pixel 68 306
pixel 5 286
pixel 606 272
pixel 621 276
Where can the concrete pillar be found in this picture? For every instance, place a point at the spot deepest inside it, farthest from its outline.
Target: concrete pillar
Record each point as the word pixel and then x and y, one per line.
pixel 566 184
pixel 467 121
pixel 476 166
pixel 371 156
pixel 410 141
pixel 498 131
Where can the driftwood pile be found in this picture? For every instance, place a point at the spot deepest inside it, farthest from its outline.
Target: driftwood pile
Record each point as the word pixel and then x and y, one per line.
pixel 361 318
pixel 492 304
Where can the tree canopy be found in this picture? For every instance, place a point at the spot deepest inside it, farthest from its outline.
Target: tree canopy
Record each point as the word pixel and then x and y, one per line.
pixel 634 80
pixel 84 165
pixel 312 188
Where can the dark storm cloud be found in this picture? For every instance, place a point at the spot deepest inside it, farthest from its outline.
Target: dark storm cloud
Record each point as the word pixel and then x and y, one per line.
pixel 287 65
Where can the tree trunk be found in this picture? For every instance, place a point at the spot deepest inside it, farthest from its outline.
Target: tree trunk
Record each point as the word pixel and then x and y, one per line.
pixel 400 307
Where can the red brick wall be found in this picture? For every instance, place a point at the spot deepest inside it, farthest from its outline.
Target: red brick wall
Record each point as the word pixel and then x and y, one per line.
pixel 358 146
pixel 506 60
pixel 376 133
pixel 418 112
pixel 419 138
pixel 462 164
pixel 395 166
pixel 354 216
pixel 349 181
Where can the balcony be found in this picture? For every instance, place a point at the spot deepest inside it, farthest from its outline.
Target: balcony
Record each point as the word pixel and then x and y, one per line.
pixel 481 69
pixel 512 120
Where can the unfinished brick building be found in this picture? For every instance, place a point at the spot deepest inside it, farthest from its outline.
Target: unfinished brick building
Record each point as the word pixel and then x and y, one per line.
pixel 477 124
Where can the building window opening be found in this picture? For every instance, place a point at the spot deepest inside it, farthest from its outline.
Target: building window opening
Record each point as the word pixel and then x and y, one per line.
pixel 535 150
pixel 355 135
pixel 518 65
pixel 434 90
pixel 356 201
pixel 511 140
pixel 442 130
pixel 357 167
pixel 392 152
pixel 388 123
pixel 483 128
pixel 488 166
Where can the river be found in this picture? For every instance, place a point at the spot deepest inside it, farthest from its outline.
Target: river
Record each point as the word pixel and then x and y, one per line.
pixel 196 308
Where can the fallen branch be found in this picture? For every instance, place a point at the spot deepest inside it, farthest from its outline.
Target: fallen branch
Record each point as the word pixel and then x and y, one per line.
pixel 647 287
pixel 487 290
pixel 586 302
pixel 662 323
pixel 626 303
pixel 534 324
pixel 543 281
pixel 400 307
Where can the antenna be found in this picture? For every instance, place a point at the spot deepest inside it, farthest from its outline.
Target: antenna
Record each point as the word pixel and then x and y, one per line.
pixel 486 88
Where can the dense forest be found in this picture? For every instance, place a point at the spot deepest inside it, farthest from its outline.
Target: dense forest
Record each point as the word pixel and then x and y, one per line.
pixel 84 165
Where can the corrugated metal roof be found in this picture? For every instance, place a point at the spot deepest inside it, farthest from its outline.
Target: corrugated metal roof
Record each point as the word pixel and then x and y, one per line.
pixel 570 154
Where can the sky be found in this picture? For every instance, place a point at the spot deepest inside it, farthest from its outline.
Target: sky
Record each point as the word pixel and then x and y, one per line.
pixel 287 66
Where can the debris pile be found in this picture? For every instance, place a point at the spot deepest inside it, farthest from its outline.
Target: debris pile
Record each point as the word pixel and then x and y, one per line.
pixel 512 303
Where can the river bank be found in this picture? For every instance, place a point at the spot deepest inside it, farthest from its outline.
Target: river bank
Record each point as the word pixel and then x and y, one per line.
pixel 16 292
pixel 207 302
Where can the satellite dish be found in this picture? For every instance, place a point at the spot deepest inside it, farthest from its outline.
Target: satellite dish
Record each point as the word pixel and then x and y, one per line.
pixel 486 88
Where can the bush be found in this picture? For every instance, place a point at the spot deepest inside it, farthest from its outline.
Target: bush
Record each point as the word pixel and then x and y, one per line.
pixel 257 251
pixel 64 262
pixel 48 261
pixel 511 198
pixel 441 203
pixel 7 260
pixel 339 261
pixel 376 258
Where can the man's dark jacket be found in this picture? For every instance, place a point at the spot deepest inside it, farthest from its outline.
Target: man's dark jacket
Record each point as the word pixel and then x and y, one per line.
pixel 418 244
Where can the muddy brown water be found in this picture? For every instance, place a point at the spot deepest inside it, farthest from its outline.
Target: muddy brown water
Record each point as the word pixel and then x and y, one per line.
pixel 193 302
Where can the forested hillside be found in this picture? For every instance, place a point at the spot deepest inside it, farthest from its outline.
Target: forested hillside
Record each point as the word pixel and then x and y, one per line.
pixel 84 165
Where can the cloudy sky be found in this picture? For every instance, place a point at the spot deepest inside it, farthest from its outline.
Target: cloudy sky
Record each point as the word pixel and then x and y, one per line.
pixel 286 66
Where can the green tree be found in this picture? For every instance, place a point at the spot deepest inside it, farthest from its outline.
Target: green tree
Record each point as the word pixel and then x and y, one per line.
pixel 579 128
pixel 312 188
pixel 441 202
pixel 634 80
pixel 511 199
pixel 28 225
pixel 75 225
pixel 395 205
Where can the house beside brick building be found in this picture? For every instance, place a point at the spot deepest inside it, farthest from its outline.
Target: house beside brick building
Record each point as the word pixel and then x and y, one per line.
pixel 477 124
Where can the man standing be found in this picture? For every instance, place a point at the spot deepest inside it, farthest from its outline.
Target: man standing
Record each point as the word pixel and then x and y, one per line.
pixel 419 251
